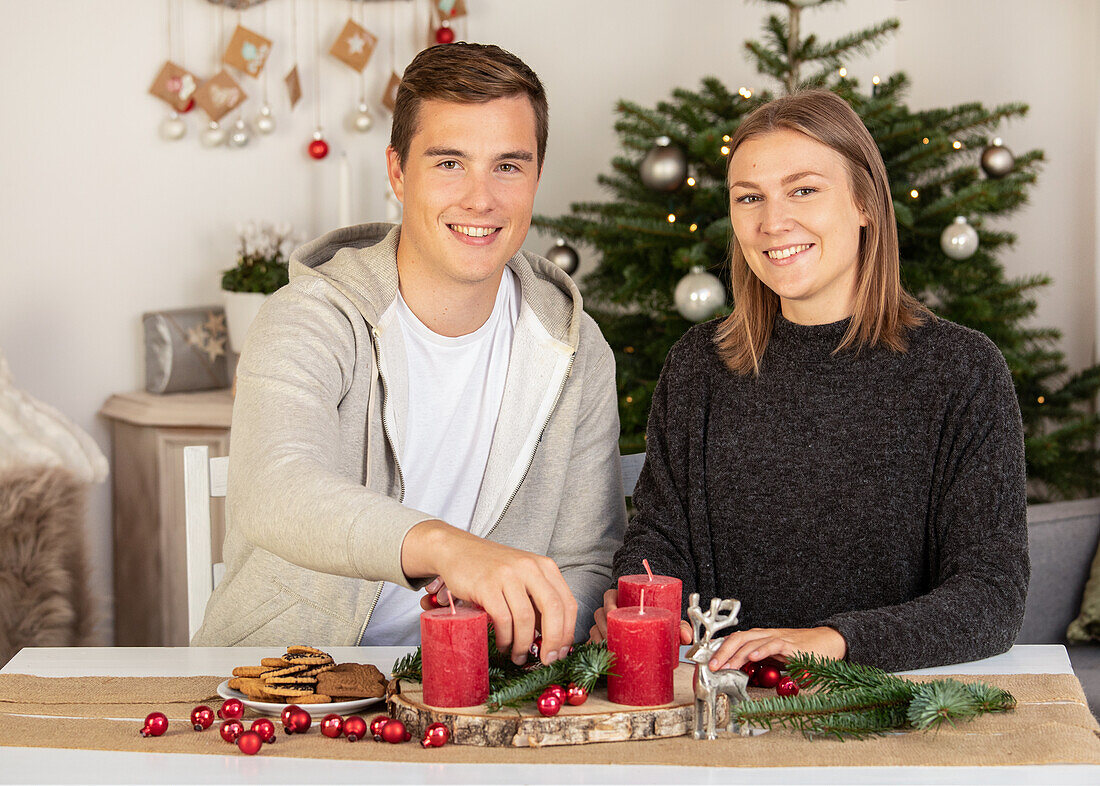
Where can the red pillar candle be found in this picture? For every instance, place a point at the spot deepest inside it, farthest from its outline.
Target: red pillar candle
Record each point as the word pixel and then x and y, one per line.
pixel 454 652
pixel 662 592
pixel 638 636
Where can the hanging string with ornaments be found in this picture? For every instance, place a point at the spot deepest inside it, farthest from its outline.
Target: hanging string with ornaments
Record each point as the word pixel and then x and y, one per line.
pixel 444 11
pixel 394 210
pixel 291 80
pixel 239 134
pixel 318 147
pixel 174 85
pixel 360 120
pixel 265 120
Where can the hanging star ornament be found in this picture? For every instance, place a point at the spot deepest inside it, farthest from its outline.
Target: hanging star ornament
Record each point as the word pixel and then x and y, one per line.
pixel 353 46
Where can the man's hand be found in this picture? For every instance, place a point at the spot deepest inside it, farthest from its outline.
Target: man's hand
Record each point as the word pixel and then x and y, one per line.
pixel 598 632
pixel 759 643
pixel 516 588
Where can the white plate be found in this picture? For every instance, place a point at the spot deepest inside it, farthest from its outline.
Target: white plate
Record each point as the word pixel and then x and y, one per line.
pixel 315 710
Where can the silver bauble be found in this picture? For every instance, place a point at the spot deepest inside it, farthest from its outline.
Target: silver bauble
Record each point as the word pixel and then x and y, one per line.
pixel 564 256
pixel 361 120
pixel 213 135
pixel 265 123
pixel 699 294
pixel 241 135
pixel 664 167
pixel 959 240
pixel 997 160
pixel 172 127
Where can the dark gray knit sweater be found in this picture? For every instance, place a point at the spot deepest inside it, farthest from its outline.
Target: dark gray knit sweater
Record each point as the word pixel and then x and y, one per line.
pixel 880 493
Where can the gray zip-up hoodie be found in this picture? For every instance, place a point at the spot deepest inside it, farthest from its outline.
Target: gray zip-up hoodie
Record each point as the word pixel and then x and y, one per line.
pixel 314 520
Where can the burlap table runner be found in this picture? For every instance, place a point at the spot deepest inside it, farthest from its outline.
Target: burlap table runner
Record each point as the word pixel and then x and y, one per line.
pixel 1051 725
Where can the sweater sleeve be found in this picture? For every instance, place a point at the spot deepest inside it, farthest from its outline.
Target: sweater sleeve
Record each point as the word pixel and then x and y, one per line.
pixel 978 562
pixel 660 530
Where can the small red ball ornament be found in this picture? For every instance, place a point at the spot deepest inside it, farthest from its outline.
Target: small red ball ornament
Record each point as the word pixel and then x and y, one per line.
pixel 265 728
pixel 318 148
pixel 231 709
pixel 445 35
pixel 767 675
pixel 250 742
pixel 332 725
pixel 231 730
pixel 575 694
pixel 300 720
pixel 202 717
pixel 787 687
pixel 436 736
pixel 749 667
pixel 394 732
pixel 557 690
pixel 156 723
pixel 355 728
pixel 288 710
pixel 548 704
pixel 377 724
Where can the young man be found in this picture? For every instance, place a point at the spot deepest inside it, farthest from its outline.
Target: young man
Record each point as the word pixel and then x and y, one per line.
pixel 427 404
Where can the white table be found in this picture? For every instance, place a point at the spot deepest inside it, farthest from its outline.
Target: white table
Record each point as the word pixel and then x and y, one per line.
pixel 51 765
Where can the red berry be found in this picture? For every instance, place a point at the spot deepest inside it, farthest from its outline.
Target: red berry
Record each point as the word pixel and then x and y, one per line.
pixel 250 742
pixel 231 709
pixel 355 728
pixel 265 728
pixel 231 730
pixel 301 721
pixel 394 732
pixel 332 725
pixel 548 704
pixel 576 695
pixel 156 723
pixel 787 687
pixel 202 717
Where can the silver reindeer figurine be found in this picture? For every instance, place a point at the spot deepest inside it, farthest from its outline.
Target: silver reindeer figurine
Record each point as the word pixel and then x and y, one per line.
pixel 708 684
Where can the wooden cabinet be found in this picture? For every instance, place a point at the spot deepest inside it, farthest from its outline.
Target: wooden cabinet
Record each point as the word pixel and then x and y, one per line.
pixel 149 433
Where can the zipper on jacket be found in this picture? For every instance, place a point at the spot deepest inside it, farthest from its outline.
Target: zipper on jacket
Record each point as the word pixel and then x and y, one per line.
pixel 396 463
pixel 531 461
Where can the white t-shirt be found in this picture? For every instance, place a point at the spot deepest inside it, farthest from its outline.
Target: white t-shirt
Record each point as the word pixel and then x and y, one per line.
pixel 455 389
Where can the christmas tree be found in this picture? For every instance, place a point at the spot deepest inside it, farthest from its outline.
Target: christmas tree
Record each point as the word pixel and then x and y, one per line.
pixel 669 216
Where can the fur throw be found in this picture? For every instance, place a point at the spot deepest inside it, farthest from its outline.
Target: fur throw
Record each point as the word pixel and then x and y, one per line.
pixel 43 574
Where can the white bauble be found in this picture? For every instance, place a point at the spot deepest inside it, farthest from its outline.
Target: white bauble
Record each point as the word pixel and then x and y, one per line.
pixel 213 135
pixel 172 127
pixel 265 123
pixel 959 240
pixel 699 295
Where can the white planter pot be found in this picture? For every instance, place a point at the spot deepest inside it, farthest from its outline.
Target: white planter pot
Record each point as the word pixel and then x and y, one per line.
pixel 240 309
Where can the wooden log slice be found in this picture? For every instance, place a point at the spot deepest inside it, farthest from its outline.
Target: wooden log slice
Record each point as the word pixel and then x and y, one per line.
pixel 597 720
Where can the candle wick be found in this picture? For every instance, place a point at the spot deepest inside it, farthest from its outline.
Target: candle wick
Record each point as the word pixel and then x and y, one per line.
pixel 451 600
pixel 645 562
pixel 642 603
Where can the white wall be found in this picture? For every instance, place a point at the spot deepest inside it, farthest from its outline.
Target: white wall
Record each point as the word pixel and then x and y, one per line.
pixel 101 220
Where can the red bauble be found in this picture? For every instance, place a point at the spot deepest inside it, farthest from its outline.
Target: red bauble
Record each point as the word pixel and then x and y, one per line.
pixel 444 35
pixel 355 728
pixel 548 704
pixel 435 736
pixel 318 148
pixel 156 723
pixel 332 725
pixel 288 710
pixel 377 724
pixel 300 720
pixel 394 731
pixel 231 730
pixel 231 709
pixel 767 675
pixel 250 742
pixel 787 687
pixel 749 667
pixel 576 695
pixel 536 647
pixel 202 717
pixel 557 690
pixel 265 728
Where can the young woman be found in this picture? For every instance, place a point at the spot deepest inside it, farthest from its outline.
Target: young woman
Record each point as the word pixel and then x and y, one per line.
pixel 843 462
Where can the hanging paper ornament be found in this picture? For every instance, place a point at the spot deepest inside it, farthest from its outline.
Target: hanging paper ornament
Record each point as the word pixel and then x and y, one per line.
pixel 247 51
pixel 265 122
pixel 664 167
pixel 564 256
pixel 959 240
pixel 699 294
pixel 444 34
pixel 318 148
pixel 354 46
pixel 172 127
pixel 240 136
pixel 997 160
pixel 361 119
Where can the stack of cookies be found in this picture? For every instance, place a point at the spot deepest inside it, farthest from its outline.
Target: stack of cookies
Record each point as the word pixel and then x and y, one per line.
pixel 307 675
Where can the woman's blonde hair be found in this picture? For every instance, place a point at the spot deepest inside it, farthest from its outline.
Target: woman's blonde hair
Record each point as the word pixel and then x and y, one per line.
pixel 883 310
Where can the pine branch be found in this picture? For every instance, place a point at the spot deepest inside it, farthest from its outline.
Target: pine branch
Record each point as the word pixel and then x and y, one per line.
pixel 409 667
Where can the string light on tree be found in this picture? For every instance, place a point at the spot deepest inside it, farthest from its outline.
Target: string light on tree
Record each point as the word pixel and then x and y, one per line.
pixel 959 240
pixel 843 72
pixel 997 160
pixel 914 193
pixel 665 167
pixel 699 295
pixel 957 145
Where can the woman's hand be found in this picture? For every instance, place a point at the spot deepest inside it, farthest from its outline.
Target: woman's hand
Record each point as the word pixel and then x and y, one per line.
pixel 759 643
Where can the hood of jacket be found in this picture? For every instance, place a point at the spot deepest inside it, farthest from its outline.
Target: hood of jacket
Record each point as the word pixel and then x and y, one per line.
pixel 361 262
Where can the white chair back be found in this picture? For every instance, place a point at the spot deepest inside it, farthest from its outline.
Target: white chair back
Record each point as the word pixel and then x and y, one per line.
pixel 203 478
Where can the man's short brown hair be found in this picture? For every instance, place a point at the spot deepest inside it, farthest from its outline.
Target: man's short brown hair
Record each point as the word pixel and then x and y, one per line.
pixel 465 74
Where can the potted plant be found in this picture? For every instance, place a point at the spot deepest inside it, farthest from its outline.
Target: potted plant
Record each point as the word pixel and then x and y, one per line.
pixel 263 253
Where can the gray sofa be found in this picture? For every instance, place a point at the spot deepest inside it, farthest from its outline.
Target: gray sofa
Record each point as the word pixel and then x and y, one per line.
pixel 1062 538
